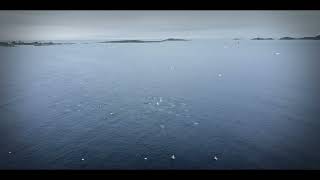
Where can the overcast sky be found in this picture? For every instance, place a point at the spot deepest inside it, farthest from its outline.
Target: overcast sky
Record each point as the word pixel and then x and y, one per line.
pixel 93 25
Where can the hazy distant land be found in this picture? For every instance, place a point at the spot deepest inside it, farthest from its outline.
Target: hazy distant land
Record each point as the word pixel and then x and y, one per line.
pixel 39 43
pixel 290 38
pixel 144 41
pixel 36 43
pixel 258 38
pixel 303 38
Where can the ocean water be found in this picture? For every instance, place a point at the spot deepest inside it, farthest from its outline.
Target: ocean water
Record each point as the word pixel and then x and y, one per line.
pixel 213 104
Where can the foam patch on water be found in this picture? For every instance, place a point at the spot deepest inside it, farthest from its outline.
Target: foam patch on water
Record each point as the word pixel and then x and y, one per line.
pixel 167 105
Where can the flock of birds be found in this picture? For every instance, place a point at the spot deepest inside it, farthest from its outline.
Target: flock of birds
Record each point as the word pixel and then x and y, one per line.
pixel 172 157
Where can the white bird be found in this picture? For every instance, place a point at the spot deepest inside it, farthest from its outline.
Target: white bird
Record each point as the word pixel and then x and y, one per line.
pixel 9 152
pixel 173 157
pixel 195 123
pixel 277 53
pixel 145 158
pixel 215 158
pixel 111 113
pixel 82 159
pixel 219 75
pixel 158 103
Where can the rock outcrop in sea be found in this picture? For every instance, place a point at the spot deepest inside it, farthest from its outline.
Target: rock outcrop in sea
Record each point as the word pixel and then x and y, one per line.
pixel 144 41
pixel 35 43
pixel 303 38
pixel 258 38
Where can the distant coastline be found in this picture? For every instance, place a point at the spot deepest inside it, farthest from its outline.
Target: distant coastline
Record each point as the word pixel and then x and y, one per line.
pixel 258 38
pixel 290 38
pixel 43 43
pixel 303 38
pixel 144 41
pixel 35 43
pixel 39 43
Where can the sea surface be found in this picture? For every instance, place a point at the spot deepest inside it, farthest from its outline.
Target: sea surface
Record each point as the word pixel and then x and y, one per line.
pixel 213 104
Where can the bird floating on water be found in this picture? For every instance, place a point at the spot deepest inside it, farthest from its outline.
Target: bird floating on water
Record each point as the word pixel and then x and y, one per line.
pixel 173 157
pixel 215 158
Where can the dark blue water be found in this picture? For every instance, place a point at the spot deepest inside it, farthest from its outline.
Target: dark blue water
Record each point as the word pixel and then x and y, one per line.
pixel 132 106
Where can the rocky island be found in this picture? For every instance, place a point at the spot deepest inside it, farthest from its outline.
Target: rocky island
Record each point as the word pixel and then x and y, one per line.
pixel 303 38
pixel 175 39
pixel 258 38
pixel 6 44
pixel 287 38
pixel 36 43
pixel 144 41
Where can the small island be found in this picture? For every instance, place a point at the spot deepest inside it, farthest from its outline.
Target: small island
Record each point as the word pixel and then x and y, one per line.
pixel 6 44
pixel 144 41
pixel 258 38
pixel 303 38
pixel 175 39
pixel 36 43
pixel 287 38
